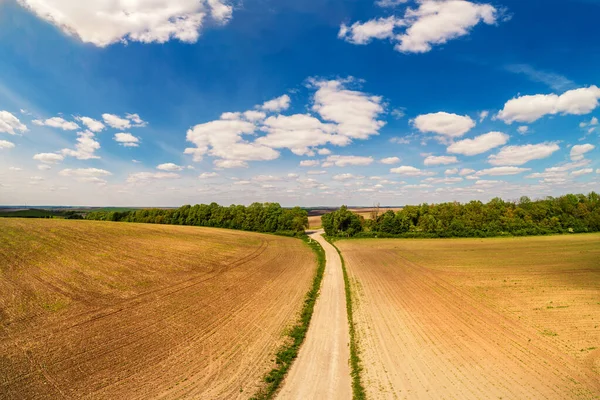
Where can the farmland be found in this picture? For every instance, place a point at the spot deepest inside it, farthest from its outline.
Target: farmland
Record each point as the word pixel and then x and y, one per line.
pixel 314 216
pixel 478 318
pixel 122 310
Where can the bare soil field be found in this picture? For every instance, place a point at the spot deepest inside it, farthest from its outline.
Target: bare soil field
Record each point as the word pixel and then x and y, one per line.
pixel 135 311
pixel 511 318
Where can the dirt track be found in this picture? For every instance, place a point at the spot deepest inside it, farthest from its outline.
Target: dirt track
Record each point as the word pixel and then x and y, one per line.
pixel 137 311
pixel 422 335
pixel 321 370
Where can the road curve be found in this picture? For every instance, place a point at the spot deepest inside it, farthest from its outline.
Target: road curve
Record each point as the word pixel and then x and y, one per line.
pixel 322 369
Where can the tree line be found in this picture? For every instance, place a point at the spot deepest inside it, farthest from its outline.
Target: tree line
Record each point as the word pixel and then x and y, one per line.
pixel 258 217
pixel 571 213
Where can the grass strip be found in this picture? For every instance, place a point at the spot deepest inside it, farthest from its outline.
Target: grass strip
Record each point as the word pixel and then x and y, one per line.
pixel 358 390
pixel 288 352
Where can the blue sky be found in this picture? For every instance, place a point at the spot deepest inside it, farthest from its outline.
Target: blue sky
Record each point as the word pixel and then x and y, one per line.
pixel 163 103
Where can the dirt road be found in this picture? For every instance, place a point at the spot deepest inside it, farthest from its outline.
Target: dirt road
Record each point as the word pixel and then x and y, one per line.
pixel 321 370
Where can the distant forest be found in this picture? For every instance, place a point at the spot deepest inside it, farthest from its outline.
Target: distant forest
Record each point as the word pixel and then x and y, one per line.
pixel 571 213
pixel 258 217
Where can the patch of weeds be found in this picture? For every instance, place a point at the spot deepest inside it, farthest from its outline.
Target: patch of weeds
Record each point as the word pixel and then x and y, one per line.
pixel 358 390
pixel 288 352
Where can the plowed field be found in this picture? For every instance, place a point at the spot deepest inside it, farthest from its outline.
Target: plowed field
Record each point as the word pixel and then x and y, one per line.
pixel 134 311
pixel 478 319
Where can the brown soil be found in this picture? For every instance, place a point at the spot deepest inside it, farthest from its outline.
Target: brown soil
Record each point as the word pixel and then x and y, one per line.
pixel 115 310
pixel 499 318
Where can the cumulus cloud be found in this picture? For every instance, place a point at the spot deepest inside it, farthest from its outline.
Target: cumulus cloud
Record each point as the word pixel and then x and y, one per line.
pixel 523 129
pixel 208 175
pixel 5 144
pixel 84 172
pixel 440 160
pixel 104 22
pixel 280 103
pixel 92 124
pixel 452 171
pixel 141 177
pixel 407 170
pixel 309 163
pixel 479 144
pixel 57 122
pixel 49 158
pixel 345 177
pixel 224 139
pixel 299 133
pixel 354 112
pixel 390 3
pixel 519 155
pixel 10 124
pixel 390 160
pixel 85 147
pixel 169 167
pixel 578 151
pixel 44 167
pixel 344 161
pixel 443 123
pixel 431 23
pixel 533 107
pixel 130 120
pixel 584 171
pixel 324 152
pixel 127 139
pixel 500 171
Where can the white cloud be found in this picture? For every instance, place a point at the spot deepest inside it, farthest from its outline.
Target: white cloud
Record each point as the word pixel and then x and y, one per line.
pixel 127 139
pixel 223 139
pixel 447 180
pixel 531 108
pixel 85 147
pixel 49 158
pixel 92 124
pixel 140 177
pixel 519 155
pixel 523 129
pixel 410 171
pixel 466 171
pixel 169 167
pixel 84 172
pixel 364 33
pixel 440 160
pixel 483 115
pixel 390 160
pixel 10 124
pixel 354 112
pixel 44 167
pixel 136 120
pixel 344 161
pixel 399 113
pixel 345 177
pixel 400 140
pixel 208 175
pixel 324 152
pixel 578 151
pixel 230 164
pixel 315 172
pixel 254 116
pixel 432 23
pixel 57 122
pixel 104 22
pixel 443 123
pixel 553 80
pixel 594 121
pixel 389 3
pixel 309 163
pixel 130 120
pixel 5 144
pixel 280 103
pixel 479 144
pixel 452 171
pixel 584 171
pixel 299 133
pixel 499 171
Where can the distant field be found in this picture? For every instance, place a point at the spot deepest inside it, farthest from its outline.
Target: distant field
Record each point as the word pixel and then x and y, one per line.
pixel 118 310
pixel 472 318
pixel 314 221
